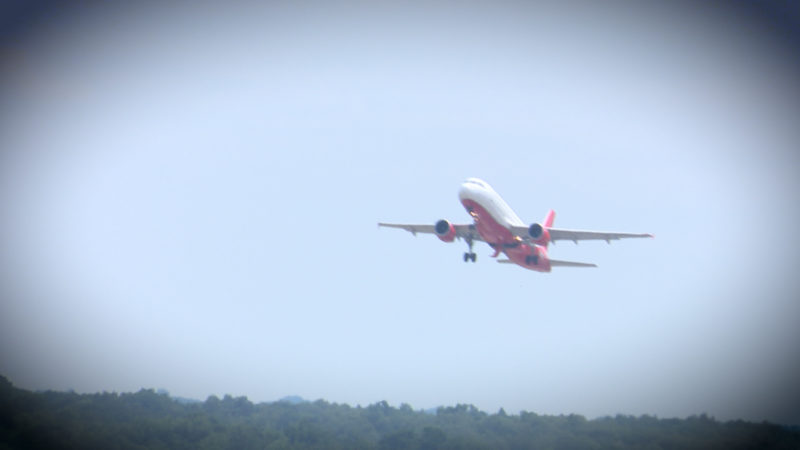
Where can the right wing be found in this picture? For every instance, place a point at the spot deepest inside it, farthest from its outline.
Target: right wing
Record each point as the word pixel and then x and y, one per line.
pixel 462 231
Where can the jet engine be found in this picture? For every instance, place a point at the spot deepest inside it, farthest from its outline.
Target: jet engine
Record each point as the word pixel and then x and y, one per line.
pixel 539 234
pixel 445 230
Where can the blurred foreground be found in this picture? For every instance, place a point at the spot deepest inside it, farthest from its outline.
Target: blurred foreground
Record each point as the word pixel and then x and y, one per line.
pixel 149 420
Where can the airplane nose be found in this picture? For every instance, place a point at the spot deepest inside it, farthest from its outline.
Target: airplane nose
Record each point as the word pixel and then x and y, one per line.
pixel 472 188
pixel 463 191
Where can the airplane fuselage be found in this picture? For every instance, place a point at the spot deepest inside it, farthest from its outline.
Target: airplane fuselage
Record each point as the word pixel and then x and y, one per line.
pixel 495 223
pixel 493 220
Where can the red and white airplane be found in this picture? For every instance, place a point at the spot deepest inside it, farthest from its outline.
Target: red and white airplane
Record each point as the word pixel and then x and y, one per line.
pixel 496 224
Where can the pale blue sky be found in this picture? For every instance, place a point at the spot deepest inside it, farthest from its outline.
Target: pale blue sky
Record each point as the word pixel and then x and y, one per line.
pixel 190 198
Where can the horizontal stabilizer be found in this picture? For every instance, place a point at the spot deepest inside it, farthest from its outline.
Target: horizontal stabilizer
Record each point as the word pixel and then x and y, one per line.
pixel 556 263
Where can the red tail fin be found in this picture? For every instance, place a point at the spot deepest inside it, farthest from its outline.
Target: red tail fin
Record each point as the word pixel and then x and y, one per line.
pixel 548 219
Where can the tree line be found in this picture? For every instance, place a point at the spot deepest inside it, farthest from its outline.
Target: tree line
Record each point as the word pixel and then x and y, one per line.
pixel 151 420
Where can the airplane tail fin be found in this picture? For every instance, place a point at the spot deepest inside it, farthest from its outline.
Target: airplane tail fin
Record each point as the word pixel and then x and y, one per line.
pixel 548 219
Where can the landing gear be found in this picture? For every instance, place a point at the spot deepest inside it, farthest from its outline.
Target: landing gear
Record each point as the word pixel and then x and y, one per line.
pixel 532 260
pixel 470 255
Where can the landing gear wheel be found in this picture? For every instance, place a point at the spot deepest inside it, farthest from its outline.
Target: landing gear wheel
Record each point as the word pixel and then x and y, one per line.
pixel 469 256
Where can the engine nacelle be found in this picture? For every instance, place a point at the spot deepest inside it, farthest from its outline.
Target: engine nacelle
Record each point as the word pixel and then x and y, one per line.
pixel 539 234
pixel 445 231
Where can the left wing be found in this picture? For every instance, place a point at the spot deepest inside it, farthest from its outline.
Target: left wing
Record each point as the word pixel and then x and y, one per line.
pixel 560 234
pixel 462 231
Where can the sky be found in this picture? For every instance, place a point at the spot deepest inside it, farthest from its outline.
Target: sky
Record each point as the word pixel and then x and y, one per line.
pixel 189 197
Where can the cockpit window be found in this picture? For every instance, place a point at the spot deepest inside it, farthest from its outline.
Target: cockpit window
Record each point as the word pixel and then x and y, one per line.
pixel 476 182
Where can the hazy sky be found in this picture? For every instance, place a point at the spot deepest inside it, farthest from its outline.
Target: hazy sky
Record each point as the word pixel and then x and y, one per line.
pixel 189 198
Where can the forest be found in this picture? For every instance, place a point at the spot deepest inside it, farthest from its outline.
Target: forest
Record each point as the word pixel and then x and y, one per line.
pixel 153 420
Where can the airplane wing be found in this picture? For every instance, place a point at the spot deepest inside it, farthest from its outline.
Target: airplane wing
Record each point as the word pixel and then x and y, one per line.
pixel 560 234
pixel 462 231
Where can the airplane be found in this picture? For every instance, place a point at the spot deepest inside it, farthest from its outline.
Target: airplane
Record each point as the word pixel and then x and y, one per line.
pixel 495 223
